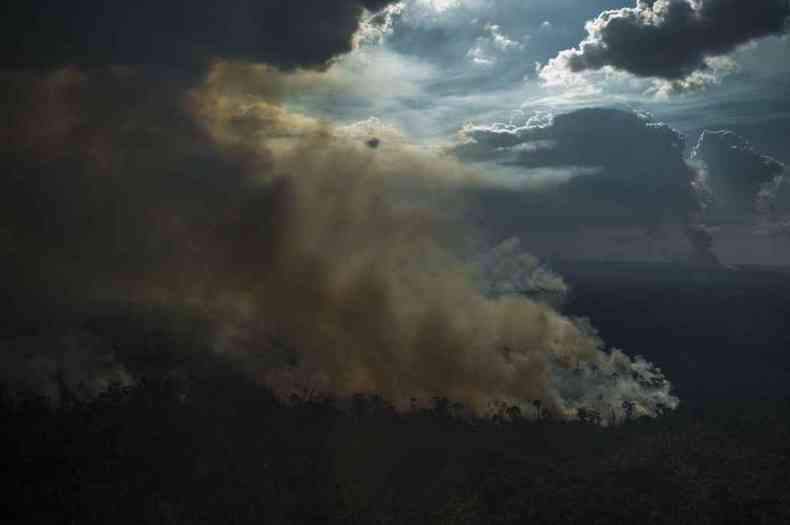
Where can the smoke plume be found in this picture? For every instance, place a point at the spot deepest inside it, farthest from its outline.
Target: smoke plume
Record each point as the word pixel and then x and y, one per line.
pixel 507 269
pixel 216 202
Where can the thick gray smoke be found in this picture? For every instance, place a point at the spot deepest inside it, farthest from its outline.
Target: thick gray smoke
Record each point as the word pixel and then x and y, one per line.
pixel 60 368
pixel 215 202
pixel 672 39
pixel 508 269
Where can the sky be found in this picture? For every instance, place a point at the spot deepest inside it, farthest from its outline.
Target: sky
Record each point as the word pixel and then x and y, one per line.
pixel 434 65
pixel 343 174
pixel 469 76
pixel 460 77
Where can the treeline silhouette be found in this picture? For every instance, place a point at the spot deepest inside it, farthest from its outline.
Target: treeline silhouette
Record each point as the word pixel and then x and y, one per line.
pixel 219 448
pixel 231 453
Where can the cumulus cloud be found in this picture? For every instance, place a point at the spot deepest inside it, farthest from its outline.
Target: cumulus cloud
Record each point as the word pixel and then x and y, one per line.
pixel 427 67
pixel 598 181
pixel 454 36
pixel 492 43
pixel 671 39
pixel 735 177
pixel 507 34
pixel 184 33
pixel 623 167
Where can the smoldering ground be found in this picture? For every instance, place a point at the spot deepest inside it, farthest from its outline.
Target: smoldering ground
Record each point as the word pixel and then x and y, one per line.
pixel 213 201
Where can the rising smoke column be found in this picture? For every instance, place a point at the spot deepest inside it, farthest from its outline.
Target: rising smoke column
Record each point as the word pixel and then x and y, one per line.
pixel 209 199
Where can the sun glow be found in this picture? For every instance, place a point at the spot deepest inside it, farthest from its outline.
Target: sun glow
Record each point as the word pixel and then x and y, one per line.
pixel 441 5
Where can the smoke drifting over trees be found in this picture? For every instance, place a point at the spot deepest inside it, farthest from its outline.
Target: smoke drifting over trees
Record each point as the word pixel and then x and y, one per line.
pixel 216 203
pixel 201 195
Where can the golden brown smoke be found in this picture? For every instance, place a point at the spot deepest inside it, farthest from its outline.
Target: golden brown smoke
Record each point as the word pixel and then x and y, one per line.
pixel 287 232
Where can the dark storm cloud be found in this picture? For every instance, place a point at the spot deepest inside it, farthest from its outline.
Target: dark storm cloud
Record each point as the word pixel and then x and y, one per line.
pixel 738 178
pixel 602 180
pixel 623 169
pixel 671 39
pixel 185 33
